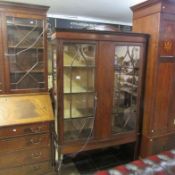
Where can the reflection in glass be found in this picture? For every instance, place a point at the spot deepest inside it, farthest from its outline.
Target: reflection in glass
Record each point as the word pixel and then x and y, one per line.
pixel 78 105
pixel 25 53
pixel 79 89
pixel 78 79
pixel 78 128
pixel 125 88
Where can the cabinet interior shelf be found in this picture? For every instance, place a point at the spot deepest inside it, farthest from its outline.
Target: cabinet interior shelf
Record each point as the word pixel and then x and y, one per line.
pixel 126 73
pixel 78 118
pixel 14 47
pixel 85 92
pixel 116 130
pixel 25 26
pixel 125 67
pixel 128 91
pixel 23 72
pixel 81 67
pixel 130 84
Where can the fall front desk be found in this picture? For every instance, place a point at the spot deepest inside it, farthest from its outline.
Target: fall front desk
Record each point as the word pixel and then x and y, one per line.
pixel 25 133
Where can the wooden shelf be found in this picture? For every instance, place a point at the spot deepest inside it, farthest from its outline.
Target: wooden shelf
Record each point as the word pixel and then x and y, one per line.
pixel 128 91
pixel 25 26
pixel 125 67
pixel 23 72
pixel 14 47
pixel 130 84
pixel 81 67
pixel 79 118
pixel 85 92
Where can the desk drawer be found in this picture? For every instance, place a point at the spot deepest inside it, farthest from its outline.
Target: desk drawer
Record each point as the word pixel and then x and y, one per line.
pixel 33 169
pixel 26 142
pixel 24 157
pixel 20 130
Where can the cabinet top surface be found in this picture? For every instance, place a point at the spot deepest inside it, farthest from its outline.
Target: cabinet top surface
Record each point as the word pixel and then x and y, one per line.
pixel 93 34
pixel 149 3
pixel 9 5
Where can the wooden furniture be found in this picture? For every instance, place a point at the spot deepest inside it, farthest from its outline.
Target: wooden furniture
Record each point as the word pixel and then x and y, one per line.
pixel 157 18
pixel 26 116
pixel 98 81
pixel 26 126
pixel 23 48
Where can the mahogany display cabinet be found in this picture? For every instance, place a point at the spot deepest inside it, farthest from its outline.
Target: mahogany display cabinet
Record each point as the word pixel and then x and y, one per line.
pixel 26 115
pixel 98 88
pixel 157 18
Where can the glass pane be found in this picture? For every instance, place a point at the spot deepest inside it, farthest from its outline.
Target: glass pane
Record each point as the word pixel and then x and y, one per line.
pixel 78 128
pixel 25 53
pixel 78 105
pixel 79 54
pixel 23 22
pixel 79 89
pixel 78 79
pixel 125 88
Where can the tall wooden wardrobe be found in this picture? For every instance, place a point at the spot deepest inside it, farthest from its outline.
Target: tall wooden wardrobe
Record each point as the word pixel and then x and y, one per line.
pixel 157 18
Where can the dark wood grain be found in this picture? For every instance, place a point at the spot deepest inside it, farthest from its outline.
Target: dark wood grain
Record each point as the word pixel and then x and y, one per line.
pixel 105 79
pixel 22 130
pixel 24 157
pixel 33 169
pixel 157 19
pixel 24 142
pixel 157 144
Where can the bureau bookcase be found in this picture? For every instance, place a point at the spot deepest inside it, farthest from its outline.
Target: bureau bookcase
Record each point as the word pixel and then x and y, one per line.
pixel 26 116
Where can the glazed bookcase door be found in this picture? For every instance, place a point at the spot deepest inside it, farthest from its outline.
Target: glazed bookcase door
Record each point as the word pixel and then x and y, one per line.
pixel 25 54
pixel 79 89
pixel 126 82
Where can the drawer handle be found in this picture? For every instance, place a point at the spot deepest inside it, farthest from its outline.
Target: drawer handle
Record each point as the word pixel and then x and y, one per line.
pixel 35 141
pixel 36 155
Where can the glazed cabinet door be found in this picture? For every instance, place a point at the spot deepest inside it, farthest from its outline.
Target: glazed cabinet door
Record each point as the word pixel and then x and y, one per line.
pixel 78 89
pixel 25 54
pixel 128 65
